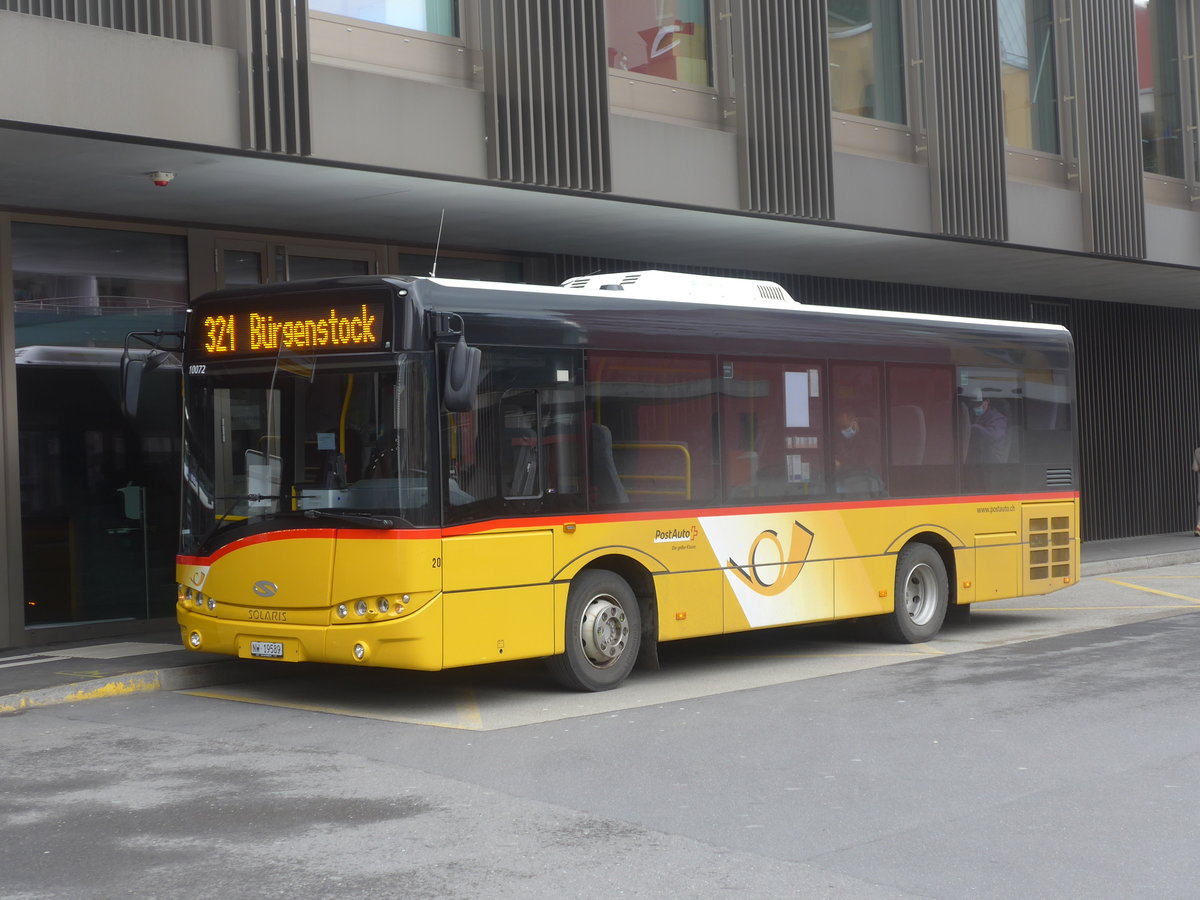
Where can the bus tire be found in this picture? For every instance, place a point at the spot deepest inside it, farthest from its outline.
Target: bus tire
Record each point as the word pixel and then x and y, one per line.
pixel 603 633
pixel 921 598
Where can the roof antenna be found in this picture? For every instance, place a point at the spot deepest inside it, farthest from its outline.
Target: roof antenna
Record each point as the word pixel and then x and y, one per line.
pixel 438 248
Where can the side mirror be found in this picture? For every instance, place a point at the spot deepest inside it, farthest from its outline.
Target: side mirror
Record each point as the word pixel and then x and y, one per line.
pixel 131 384
pixel 135 368
pixel 462 377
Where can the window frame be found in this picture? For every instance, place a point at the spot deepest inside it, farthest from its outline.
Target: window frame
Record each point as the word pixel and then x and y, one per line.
pixel 1171 190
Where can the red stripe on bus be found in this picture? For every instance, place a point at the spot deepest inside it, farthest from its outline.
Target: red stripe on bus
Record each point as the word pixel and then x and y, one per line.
pixel 297 534
pixel 720 512
pixel 607 518
pixel 286 535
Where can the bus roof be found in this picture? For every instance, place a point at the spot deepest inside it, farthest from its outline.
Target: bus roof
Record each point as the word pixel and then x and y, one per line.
pixel 653 290
pixel 697 315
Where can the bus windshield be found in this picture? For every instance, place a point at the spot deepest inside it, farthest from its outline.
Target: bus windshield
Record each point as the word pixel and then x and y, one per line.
pixel 314 438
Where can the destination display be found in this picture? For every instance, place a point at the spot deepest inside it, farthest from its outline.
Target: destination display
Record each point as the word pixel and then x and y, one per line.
pixel 266 330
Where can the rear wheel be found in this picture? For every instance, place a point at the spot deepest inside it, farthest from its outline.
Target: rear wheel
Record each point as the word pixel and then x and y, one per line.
pixel 603 633
pixel 922 595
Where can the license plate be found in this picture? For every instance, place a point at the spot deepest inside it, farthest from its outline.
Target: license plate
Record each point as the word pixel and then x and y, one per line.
pixel 267 649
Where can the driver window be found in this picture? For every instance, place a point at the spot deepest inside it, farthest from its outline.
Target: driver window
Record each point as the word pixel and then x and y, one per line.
pixel 520 446
pixel 519 449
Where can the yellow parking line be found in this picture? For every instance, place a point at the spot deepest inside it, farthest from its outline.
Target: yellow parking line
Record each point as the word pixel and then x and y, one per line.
pixel 899 654
pixel 469 713
pixel 988 607
pixel 1138 587
pixel 336 710
pixel 926 650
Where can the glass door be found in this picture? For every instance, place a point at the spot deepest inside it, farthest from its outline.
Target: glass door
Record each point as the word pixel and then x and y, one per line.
pixel 99 492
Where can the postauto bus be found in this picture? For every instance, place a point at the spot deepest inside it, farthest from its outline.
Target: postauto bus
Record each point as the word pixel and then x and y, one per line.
pixel 424 473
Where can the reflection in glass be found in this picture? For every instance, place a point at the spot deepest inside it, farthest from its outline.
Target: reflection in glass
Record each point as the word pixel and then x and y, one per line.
pixel 464 267
pixel 87 554
pixel 242 267
pixel 1027 55
pixel 302 267
pixel 866 59
pixel 433 16
pixel 1159 87
pixel 668 39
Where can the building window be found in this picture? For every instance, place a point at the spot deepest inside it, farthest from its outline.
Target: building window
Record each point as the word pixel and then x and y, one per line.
pixel 665 38
pixel 469 268
pixel 1159 87
pixel 434 16
pixel 866 59
pixel 1027 56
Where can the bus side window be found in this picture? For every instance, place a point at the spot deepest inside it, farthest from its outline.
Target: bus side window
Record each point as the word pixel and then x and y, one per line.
pixel 920 431
pixel 523 441
pixel 857 432
pixel 991 406
pixel 774 437
pixel 659 411
pixel 1048 440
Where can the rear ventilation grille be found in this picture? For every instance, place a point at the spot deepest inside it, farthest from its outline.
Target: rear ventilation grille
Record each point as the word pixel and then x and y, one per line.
pixel 1049 548
pixel 1060 478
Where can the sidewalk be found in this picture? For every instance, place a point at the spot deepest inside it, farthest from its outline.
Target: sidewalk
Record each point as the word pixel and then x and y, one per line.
pixel 69 673
pixel 1128 554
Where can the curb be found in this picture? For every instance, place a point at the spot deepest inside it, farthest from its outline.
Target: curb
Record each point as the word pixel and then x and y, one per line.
pixel 179 678
pixel 1132 563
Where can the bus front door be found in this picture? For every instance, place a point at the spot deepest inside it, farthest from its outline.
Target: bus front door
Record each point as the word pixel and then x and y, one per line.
pixel 498 602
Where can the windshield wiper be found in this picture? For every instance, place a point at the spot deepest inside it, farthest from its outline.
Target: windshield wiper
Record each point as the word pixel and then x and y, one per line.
pixel 366 518
pixel 225 523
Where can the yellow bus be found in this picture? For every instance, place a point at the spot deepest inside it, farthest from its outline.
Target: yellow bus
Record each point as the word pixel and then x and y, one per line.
pixel 425 473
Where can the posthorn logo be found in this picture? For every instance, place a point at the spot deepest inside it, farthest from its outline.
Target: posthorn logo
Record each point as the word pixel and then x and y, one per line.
pixel 780 567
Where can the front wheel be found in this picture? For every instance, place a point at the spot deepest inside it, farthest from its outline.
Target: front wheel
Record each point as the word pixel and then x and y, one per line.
pixel 603 633
pixel 922 595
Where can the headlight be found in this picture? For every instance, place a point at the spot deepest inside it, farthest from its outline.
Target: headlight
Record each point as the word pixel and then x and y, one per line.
pixel 342 612
pixel 361 607
pixel 382 604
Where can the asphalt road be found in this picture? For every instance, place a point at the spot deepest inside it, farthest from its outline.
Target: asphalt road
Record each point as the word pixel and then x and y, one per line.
pixel 1049 749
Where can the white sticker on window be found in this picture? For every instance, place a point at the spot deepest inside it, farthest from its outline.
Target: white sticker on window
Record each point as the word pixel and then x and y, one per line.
pixel 796 396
